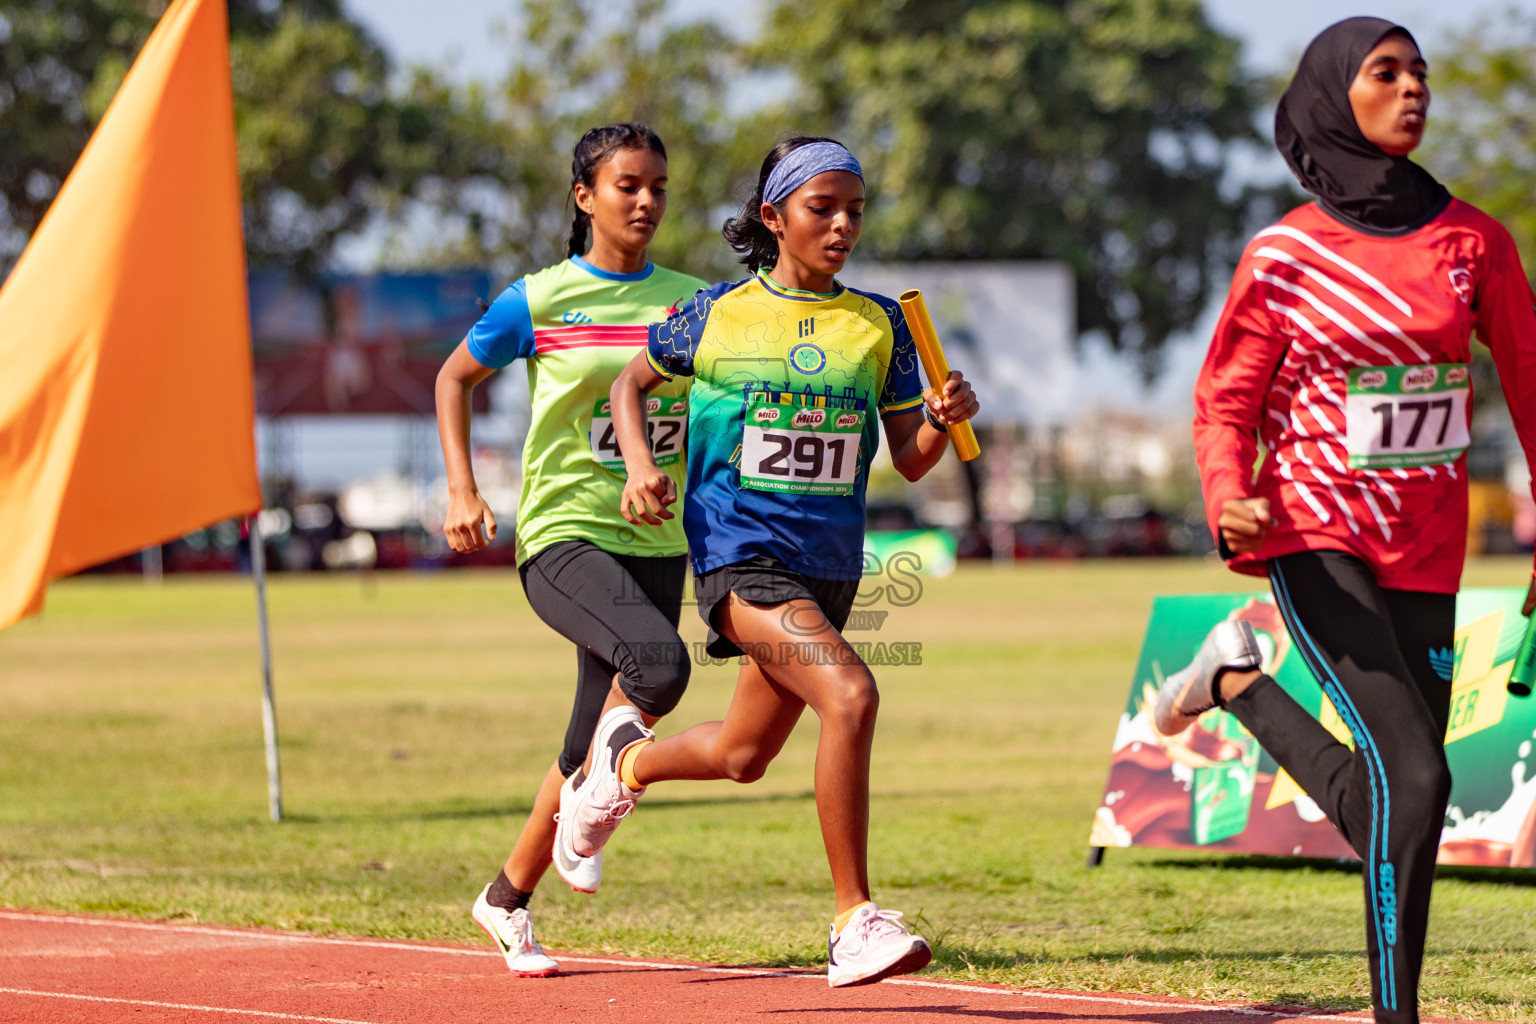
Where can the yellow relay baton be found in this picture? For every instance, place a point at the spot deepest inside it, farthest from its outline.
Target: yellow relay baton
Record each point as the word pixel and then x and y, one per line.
pixel 935 365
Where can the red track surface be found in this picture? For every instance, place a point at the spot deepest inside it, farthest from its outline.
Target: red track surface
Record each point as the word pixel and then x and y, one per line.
pixel 103 970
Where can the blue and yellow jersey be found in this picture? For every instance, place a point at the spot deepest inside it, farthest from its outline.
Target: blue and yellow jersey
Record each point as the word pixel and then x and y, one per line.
pixel 787 390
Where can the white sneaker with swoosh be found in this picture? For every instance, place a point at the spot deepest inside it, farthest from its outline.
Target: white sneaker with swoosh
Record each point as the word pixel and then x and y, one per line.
pixel 584 874
pixel 872 946
pixel 602 799
pixel 1190 692
pixel 512 931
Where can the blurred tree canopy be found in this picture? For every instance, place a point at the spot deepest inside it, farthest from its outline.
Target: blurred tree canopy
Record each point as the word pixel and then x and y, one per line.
pixel 1482 131
pixel 588 62
pixel 1090 131
pixel 325 142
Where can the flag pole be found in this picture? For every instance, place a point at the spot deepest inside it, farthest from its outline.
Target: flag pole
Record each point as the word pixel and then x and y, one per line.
pixel 268 706
pixel 153 565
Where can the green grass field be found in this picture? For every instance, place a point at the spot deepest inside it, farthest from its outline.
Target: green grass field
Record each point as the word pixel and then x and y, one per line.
pixel 418 713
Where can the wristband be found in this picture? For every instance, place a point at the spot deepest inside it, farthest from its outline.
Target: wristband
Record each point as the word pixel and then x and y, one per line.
pixel 933 421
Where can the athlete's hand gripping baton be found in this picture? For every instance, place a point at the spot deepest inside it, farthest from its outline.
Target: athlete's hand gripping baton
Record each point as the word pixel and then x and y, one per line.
pixel 936 366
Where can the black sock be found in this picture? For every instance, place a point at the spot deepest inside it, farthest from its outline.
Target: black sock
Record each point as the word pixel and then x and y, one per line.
pixel 506 896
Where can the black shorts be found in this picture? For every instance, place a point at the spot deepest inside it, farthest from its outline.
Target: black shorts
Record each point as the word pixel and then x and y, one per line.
pixel 768 581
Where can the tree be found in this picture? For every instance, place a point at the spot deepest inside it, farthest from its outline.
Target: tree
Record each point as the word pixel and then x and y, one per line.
pixel 326 140
pixel 589 62
pixel 1482 133
pixel 1090 131
pixel 1481 143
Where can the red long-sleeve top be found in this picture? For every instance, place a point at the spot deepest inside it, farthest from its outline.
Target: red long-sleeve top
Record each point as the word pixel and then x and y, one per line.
pixel 1344 355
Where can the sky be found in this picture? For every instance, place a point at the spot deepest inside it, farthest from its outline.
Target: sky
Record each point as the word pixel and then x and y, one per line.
pixel 458 32
pixel 471 39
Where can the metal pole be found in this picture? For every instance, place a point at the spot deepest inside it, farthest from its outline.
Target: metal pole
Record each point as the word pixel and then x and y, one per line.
pixel 268 707
pixel 154 565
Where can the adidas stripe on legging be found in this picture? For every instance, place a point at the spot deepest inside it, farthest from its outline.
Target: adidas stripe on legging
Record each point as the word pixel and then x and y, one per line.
pixel 1375 652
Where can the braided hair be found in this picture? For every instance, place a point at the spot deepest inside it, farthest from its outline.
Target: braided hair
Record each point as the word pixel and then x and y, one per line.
pixel 594 149
pixel 746 233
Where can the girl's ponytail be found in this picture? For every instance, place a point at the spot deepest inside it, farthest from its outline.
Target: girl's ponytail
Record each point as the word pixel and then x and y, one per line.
pixel 576 244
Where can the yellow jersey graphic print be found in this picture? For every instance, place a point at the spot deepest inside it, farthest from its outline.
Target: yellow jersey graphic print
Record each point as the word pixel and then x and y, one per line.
pixel 788 388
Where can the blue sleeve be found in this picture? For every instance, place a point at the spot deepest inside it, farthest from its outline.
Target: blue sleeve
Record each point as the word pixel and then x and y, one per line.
pixel 671 344
pixel 505 331
pixel 903 388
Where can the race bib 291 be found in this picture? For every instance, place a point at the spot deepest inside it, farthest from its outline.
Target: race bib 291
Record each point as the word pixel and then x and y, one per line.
pixel 792 445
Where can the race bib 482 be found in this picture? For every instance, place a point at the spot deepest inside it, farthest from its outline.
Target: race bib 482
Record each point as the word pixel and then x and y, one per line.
pixel 666 425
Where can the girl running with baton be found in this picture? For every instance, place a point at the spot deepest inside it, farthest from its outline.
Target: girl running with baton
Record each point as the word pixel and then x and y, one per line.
pixel 1344 348
pixel 612 590
pixel 791 371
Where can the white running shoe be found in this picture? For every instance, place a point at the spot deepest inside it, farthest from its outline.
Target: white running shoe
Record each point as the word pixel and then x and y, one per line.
pixel 512 931
pixel 584 874
pixel 874 945
pixel 602 800
pixel 1190 692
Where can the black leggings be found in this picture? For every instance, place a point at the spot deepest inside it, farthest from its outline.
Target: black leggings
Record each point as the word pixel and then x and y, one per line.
pixel 1375 652
pixel 621 612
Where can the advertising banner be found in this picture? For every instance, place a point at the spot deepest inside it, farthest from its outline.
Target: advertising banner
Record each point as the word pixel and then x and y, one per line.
pixel 1213 786
pixel 359 344
pixel 1009 326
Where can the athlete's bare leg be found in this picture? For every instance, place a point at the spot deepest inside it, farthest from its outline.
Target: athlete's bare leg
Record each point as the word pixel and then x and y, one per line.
pixel 530 857
pixel 771 692
pixel 759 720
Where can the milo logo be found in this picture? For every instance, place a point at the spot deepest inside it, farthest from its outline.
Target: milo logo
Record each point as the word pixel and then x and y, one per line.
pixel 766 414
pixel 1371 379
pixel 848 419
pixel 653 405
pixel 810 418
pixel 1421 378
pixel 1456 375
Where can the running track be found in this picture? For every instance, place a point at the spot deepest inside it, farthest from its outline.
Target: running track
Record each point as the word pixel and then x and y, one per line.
pixel 106 971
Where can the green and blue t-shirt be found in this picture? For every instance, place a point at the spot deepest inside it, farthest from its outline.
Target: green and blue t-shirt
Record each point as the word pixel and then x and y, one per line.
pixel 577 327
pixel 782 418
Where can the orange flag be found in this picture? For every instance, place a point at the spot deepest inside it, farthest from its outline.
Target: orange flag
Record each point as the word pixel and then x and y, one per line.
pixel 126 406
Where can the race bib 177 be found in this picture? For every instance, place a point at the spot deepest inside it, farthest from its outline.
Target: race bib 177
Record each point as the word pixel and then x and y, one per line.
pixel 1407 415
pixel 666 425
pixel 792 445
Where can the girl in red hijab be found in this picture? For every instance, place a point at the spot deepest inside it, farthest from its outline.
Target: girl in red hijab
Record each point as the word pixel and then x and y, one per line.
pixel 1344 349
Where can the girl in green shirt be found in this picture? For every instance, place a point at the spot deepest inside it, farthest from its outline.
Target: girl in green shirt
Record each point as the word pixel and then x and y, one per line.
pixel 612 590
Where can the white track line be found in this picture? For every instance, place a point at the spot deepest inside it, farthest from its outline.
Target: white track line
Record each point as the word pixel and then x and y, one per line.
pixel 1246 1011
pixel 180 1006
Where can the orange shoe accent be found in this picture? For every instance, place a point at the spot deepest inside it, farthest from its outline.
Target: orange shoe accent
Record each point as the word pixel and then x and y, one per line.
pixel 842 919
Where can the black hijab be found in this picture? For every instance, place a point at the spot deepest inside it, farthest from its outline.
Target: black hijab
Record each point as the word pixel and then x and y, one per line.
pixel 1316 132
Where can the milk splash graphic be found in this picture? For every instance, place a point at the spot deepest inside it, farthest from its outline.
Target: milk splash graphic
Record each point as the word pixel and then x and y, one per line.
pixel 1501 825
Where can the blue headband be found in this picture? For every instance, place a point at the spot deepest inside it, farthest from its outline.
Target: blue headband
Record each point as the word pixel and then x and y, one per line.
pixel 801 165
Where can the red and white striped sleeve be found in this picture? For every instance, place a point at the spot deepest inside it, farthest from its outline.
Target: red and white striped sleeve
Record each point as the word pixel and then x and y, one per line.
pixel 1506 323
pixel 1231 393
